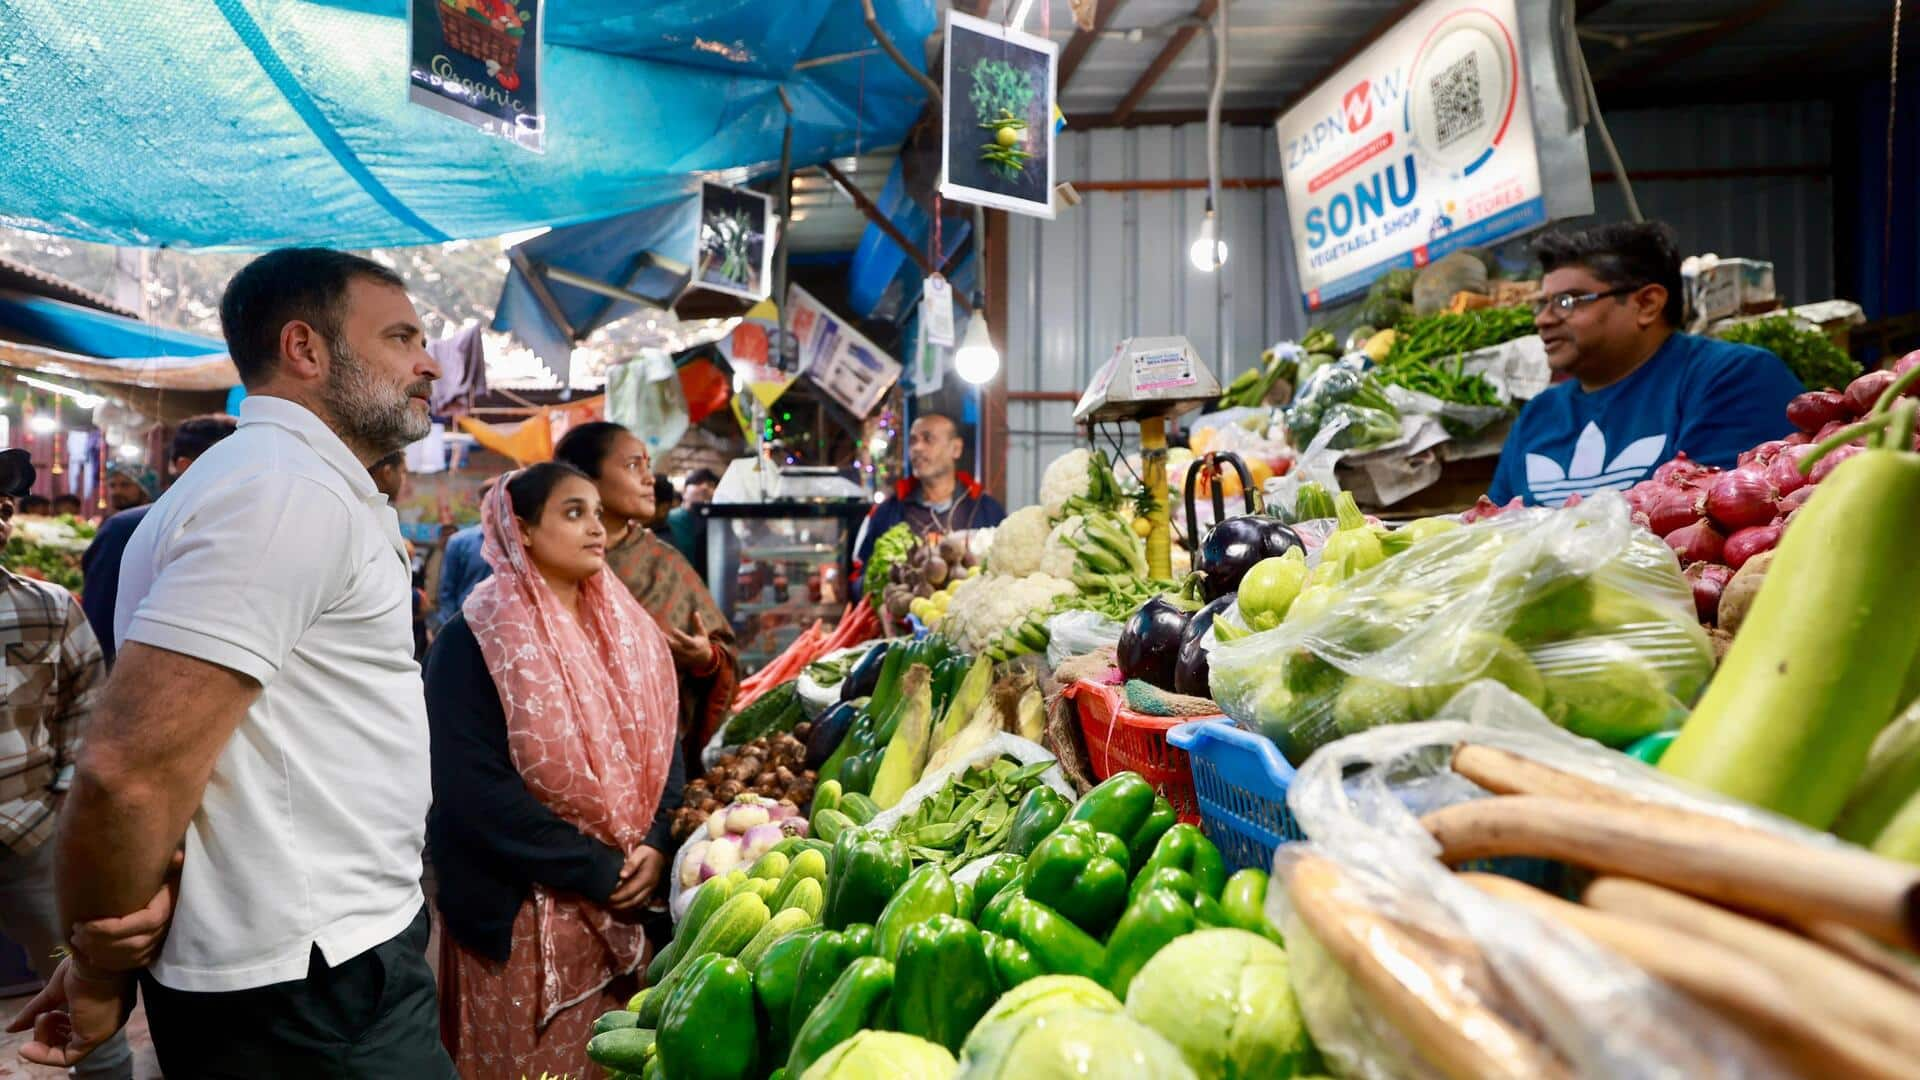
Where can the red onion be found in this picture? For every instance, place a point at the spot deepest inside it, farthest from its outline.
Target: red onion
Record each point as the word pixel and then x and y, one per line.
pixel 1784 473
pixel 1798 438
pixel 1697 542
pixel 1795 501
pixel 1763 454
pixel 1832 461
pixel 1865 390
pixel 1740 499
pixel 1573 500
pixel 1831 430
pixel 1485 508
pixel 1709 580
pixel 1673 508
pixel 1681 470
pixel 1907 363
pixel 1640 496
pixel 1816 409
pixel 1749 542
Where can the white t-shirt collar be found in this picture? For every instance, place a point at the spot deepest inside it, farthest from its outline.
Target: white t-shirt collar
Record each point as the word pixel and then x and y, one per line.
pixel 301 421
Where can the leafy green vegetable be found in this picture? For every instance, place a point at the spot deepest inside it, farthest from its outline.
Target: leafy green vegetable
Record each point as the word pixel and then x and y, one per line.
pixel 60 567
pixel 893 546
pixel 1811 355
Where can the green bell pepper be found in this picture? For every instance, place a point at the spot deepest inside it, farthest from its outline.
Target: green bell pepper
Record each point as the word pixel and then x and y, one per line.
pixel 1042 811
pixel 943 981
pixel 828 955
pixel 1012 963
pixel 776 978
pixel 1124 805
pixel 993 913
pixel 1153 919
pixel 928 892
pixel 1244 902
pixel 864 871
pixel 998 873
pixel 707 1030
pixel 1082 874
pixel 857 1000
pixel 963 900
pixel 1185 847
pixel 1056 944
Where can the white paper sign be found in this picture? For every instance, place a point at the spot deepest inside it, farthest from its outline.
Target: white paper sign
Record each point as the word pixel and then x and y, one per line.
pixel 1422 145
pixel 936 310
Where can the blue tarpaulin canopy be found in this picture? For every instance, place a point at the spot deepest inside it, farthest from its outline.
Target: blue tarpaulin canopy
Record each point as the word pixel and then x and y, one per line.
pixel 248 124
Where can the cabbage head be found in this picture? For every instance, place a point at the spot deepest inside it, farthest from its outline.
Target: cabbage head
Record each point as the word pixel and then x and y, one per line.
pixel 1225 998
pixel 1050 993
pixel 1071 1044
pixel 883 1055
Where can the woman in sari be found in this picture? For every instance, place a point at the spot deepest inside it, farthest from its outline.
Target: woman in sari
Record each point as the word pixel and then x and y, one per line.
pixel 553 709
pixel 659 576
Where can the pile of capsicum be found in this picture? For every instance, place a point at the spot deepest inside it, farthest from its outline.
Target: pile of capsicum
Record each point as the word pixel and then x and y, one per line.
pixel 761 986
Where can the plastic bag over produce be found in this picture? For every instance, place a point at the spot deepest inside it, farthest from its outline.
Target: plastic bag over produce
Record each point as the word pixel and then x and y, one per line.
pixel 1576 610
pixel 1593 1013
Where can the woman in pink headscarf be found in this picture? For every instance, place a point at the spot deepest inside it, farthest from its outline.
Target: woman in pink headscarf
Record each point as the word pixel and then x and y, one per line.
pixel 553 706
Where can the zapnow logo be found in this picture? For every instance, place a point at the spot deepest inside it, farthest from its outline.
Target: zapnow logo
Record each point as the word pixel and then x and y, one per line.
pixel 1590 470
pixel 1358 106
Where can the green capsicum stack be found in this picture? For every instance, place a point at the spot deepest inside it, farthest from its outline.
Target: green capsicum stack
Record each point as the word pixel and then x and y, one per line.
pixel 863 873
pixel 1124 805
pixel 1082 874
pixel 943 980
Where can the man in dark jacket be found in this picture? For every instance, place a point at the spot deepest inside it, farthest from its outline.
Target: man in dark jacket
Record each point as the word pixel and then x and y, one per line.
pixel 938 498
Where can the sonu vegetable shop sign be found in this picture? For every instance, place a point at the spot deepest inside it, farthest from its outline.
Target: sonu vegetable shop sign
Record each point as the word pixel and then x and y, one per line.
pixel 1423 145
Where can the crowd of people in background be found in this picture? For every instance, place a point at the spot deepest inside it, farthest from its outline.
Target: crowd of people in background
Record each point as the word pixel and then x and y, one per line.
pixel 225 765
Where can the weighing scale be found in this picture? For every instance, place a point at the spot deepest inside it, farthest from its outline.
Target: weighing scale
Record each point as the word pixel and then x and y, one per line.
pixel 1151 380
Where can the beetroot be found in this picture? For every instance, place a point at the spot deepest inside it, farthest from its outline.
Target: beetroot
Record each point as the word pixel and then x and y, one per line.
pixel 1698 542
pixel 1709 580
pixel 1749 542
pixel 1672 508
pixel 1832 461
pixel 1865 390
pixel 1741 499
pixel 1816 409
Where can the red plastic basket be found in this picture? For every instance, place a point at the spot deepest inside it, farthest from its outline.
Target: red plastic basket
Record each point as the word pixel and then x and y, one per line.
pixel 1119 740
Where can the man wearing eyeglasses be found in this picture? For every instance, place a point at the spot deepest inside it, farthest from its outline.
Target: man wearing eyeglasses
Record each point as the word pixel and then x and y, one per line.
pixel 1636 391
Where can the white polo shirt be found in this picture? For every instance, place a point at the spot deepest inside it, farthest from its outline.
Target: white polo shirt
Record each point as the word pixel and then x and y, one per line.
pixel 275 557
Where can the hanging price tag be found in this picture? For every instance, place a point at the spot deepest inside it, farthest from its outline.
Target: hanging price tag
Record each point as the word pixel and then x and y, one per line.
pixel 936 310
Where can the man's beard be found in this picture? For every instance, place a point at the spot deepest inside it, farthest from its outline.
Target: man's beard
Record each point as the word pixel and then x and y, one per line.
pixel 377 416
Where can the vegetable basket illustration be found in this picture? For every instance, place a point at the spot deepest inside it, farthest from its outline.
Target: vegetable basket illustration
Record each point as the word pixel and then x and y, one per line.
pixel 487 30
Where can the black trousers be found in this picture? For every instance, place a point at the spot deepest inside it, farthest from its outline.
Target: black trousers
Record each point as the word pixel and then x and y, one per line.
pixel 374 1016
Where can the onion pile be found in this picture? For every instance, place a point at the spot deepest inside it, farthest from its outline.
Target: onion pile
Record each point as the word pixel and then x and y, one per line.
pixel 1716 521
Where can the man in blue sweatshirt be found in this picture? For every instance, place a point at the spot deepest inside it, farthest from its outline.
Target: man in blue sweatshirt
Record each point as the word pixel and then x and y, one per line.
pixel 1638 391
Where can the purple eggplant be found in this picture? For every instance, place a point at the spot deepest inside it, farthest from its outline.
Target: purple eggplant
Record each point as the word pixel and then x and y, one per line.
pixel 1234 544
pixel 1150 642
pixel 1191 669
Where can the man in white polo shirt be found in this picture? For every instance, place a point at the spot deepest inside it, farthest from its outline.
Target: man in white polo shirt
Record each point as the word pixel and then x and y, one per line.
pixel 266 714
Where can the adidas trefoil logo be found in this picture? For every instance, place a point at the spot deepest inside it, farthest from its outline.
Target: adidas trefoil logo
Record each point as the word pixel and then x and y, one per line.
pixel 1590 471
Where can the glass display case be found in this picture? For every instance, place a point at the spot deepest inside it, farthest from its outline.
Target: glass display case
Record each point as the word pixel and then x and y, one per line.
pixel 780 553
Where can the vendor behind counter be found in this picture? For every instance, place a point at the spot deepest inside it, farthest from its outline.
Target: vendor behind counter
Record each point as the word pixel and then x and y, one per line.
pixel 1638 392
pixel 938 499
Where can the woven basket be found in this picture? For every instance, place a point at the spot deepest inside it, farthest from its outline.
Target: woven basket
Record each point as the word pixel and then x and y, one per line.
pixel 480 40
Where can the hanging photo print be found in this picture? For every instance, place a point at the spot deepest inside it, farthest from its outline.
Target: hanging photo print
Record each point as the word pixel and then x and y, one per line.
pixel 478 61
pixel 998 146
pixel 736 241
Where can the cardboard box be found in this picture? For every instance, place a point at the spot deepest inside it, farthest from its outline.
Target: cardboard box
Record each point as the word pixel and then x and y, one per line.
pixel 1728 287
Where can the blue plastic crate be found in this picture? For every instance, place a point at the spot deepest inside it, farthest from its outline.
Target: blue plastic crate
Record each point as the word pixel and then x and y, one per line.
pixel 1241 782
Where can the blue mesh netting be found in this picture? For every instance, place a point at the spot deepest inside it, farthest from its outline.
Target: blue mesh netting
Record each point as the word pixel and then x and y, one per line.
pixel 248 124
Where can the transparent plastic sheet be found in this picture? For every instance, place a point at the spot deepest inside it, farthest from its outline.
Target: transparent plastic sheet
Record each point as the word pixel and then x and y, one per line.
pixel 1343 397
pixel 1077 633
pixel 1577 610
pixel 1359 802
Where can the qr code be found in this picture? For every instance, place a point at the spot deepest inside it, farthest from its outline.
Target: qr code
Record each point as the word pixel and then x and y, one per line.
pixel 1457 108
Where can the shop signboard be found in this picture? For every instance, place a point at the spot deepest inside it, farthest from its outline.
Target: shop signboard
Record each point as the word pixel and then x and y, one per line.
pixel 844 364
pixel 1424 144
pixel 479 62
pixel 997 145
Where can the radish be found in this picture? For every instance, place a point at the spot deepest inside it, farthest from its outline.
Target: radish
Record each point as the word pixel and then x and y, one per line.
pixel 1741 499
pixel 1697 542
pixel 1749 542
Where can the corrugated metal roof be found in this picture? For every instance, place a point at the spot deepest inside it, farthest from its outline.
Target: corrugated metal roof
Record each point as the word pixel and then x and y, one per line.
pixel 23 278
pixel 1279 48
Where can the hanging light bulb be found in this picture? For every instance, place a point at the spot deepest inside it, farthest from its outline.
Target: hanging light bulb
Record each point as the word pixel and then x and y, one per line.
pixel 130 451
pixel 43 424
pixel 1209 252
pixel 977 361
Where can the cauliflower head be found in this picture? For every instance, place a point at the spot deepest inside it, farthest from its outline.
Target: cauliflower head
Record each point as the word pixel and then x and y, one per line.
pixel 1059 558
pixel 987 605
pixel 1019 540
pixel 1067 476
